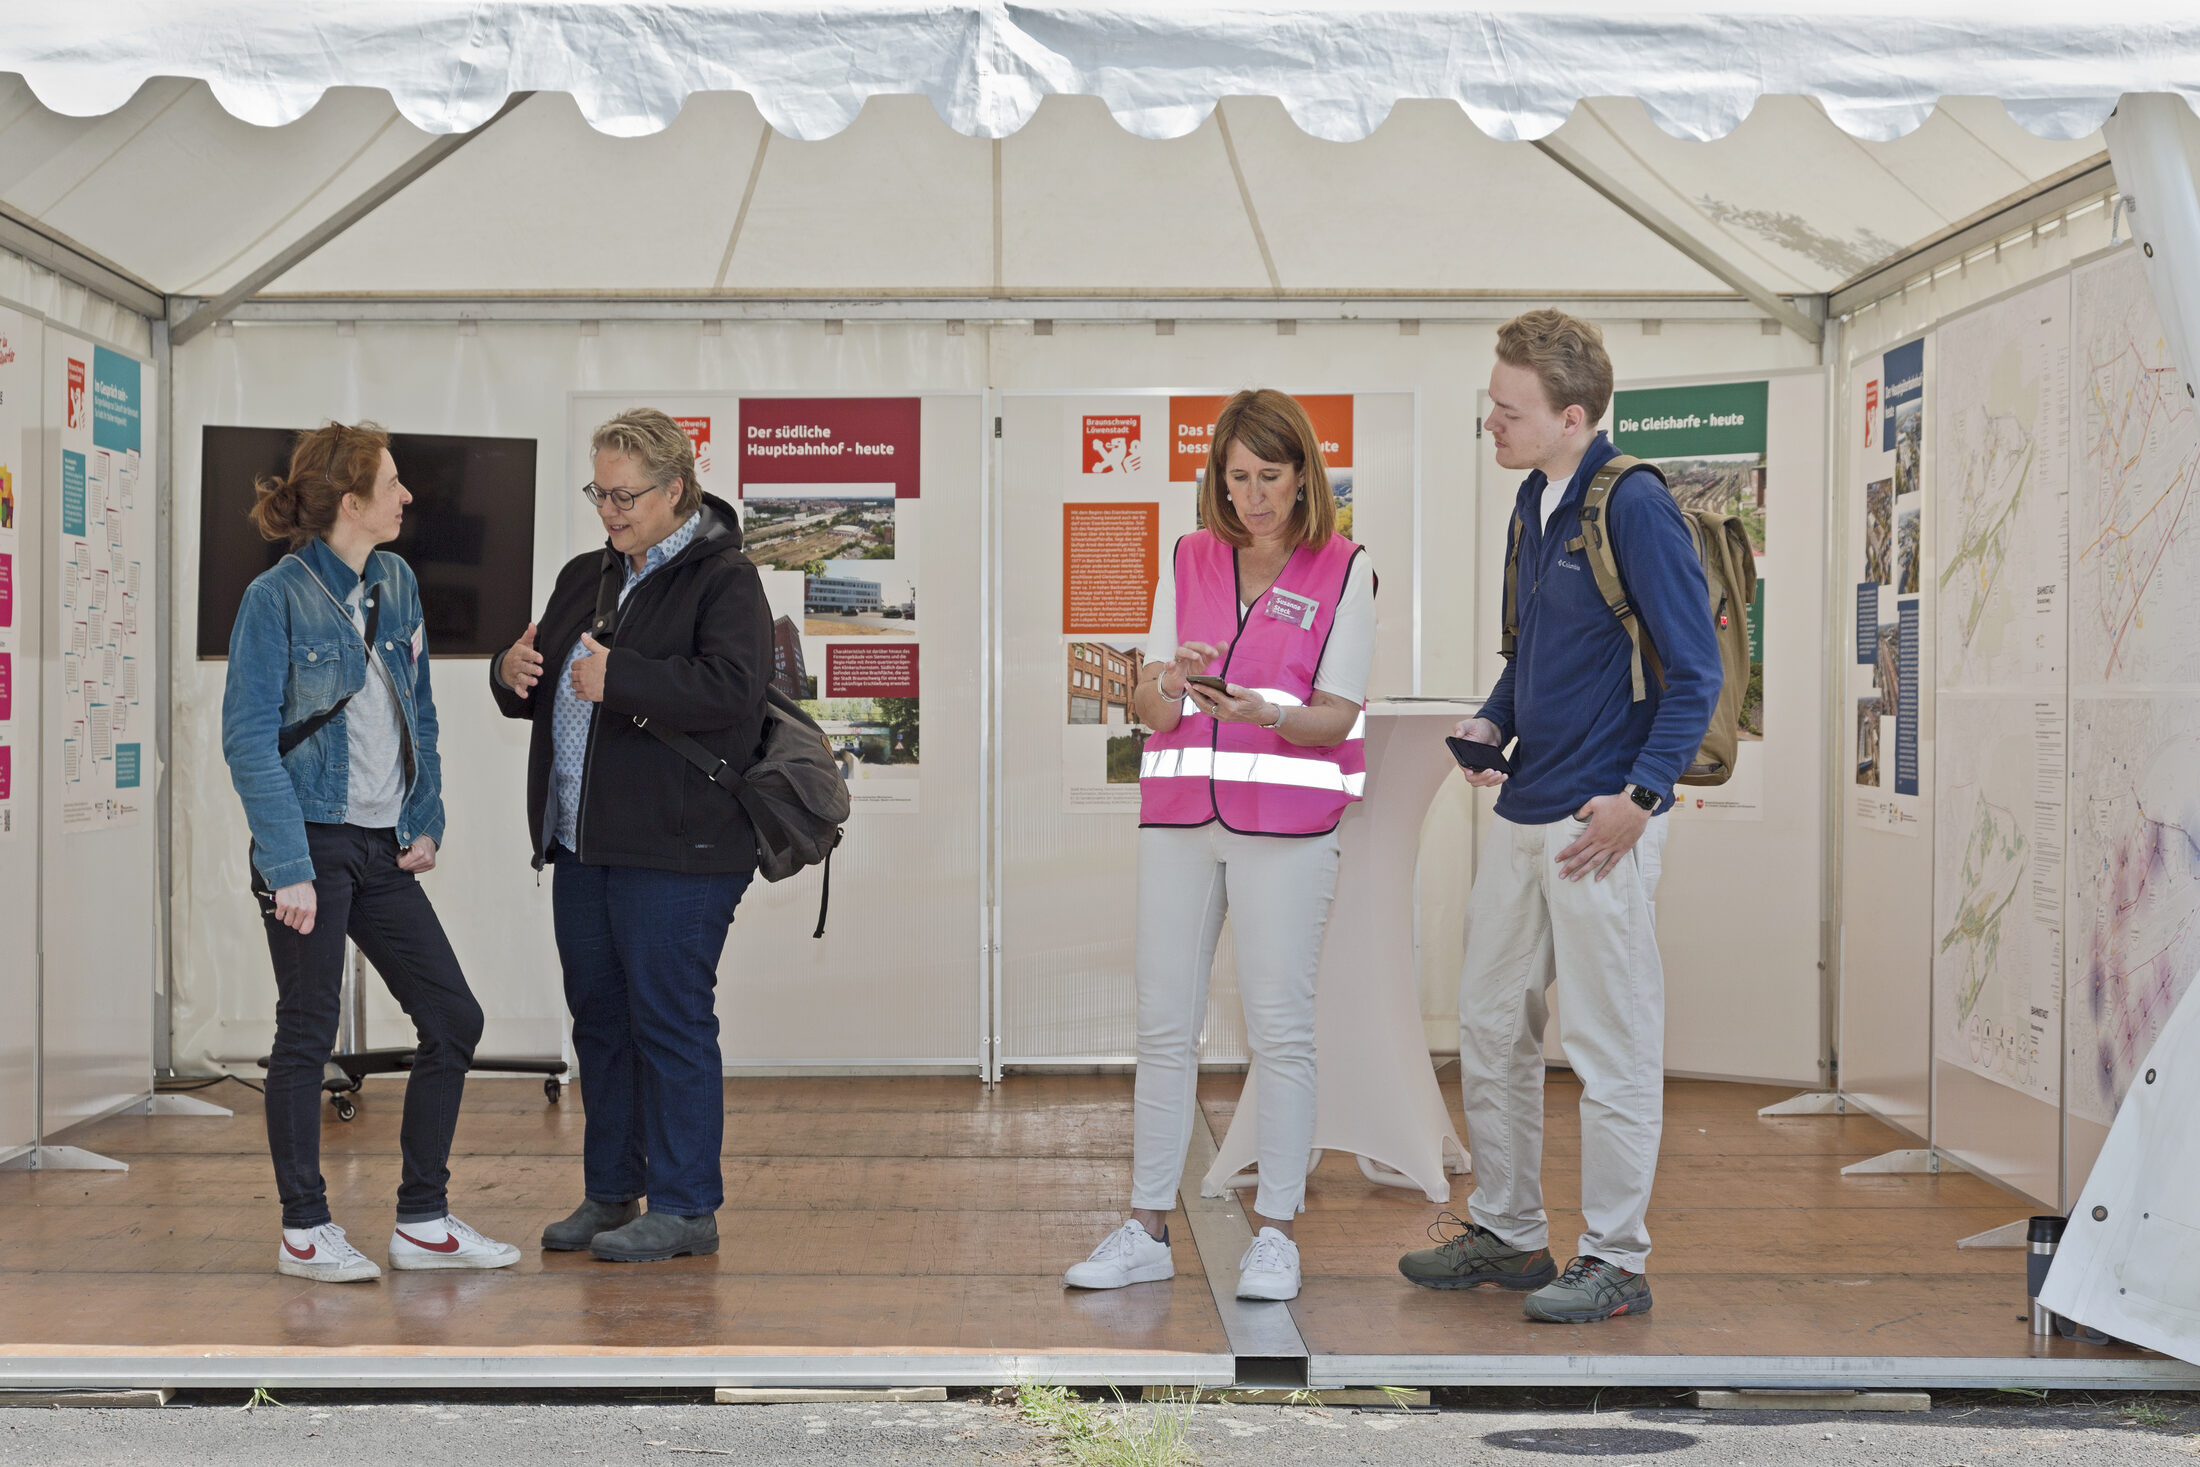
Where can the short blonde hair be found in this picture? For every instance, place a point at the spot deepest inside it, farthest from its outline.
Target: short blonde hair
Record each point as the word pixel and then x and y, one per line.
pixel 1275 429
pixel 1567 356
pixel 665 451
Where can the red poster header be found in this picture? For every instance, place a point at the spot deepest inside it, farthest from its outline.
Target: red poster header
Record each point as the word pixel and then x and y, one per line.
pixel 77 416
pixel 831 440
pixel 1192 423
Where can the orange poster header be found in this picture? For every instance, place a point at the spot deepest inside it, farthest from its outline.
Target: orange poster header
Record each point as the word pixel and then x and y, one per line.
pixel 1192 423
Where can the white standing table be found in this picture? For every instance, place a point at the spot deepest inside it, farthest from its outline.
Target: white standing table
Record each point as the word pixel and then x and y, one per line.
pixel 1377 1098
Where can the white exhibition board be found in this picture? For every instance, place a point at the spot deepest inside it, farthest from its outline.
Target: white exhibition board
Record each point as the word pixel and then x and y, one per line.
pixel 22 341
pixel 1746 877
pixel 98 835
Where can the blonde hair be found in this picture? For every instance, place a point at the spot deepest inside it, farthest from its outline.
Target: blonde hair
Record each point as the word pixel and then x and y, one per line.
pixel 1274 429
pixel 328 463
pixel 662 446
pixel 1567 356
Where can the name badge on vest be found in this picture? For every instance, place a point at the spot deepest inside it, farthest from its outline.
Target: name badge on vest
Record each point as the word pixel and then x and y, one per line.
pixel 1291 607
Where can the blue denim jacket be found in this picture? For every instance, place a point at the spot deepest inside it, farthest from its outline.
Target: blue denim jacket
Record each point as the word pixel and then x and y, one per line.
pixel 293 652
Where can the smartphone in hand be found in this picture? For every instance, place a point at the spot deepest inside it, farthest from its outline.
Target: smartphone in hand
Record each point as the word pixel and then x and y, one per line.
pixel 1473 754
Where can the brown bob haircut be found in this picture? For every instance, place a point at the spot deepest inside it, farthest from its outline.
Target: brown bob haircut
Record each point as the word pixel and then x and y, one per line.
pixel 329 462
pixel 1274 429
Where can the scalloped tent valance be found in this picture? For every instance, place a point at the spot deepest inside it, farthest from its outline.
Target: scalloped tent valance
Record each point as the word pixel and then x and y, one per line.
pixel 1698 66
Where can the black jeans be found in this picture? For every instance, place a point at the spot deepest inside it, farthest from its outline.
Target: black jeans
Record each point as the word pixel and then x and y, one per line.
pixel 363 893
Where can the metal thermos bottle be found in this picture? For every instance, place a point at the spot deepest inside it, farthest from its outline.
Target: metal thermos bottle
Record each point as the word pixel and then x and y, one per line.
pixel 2042 1238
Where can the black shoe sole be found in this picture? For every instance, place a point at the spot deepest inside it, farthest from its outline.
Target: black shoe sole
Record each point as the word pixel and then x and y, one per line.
pixel 1628 1310
pixel 1526 1283
pixel 696 1251
pixel 550 1247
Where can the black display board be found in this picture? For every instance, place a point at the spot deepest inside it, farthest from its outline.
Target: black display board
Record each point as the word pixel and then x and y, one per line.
pixel 469 532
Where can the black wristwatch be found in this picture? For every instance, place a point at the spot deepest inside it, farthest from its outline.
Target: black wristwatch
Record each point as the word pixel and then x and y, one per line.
pixel 1647 798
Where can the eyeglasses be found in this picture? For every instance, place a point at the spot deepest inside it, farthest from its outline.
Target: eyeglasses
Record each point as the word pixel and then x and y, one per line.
pixel 623 498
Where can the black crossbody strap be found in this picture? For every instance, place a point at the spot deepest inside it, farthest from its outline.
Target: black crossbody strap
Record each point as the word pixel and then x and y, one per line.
pixel 290 738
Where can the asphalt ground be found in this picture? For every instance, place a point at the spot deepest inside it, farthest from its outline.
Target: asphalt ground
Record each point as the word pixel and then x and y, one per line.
pixel 1467 1429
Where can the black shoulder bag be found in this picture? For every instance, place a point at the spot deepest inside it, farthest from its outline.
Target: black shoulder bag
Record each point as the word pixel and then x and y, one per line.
pixel 794 795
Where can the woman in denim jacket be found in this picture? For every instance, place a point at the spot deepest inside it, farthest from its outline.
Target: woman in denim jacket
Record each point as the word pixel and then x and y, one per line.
pixel 329 730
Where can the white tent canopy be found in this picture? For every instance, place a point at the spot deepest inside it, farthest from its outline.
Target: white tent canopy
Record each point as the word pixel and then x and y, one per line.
pixel 1160 66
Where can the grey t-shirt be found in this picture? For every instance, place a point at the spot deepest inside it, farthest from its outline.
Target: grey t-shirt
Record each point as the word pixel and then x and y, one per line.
pixel 375 792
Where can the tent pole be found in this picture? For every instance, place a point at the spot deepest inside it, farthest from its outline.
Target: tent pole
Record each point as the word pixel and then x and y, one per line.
pixel 1632 205
pixel 359 208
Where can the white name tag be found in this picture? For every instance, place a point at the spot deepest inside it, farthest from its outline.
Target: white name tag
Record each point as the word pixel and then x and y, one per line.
pixel 1291 607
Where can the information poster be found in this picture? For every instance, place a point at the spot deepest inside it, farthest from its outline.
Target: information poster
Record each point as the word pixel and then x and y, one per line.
pixel 832 514
pixel 1889 526
pixel 102 554
pixel 2000 491
pixel 1130 490
pixel 1710 442
pixel 15 395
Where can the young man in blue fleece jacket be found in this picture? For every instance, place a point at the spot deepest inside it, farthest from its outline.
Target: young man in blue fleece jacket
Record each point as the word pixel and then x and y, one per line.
pixel 1564 888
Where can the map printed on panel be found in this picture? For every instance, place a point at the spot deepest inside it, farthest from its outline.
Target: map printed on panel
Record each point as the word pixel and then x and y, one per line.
pixel 2001 485
pixel 2135 864
pixel 2135 490
pixel 1997 889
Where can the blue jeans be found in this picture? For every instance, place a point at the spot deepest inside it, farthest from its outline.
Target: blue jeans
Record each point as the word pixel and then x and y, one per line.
pixel 640 950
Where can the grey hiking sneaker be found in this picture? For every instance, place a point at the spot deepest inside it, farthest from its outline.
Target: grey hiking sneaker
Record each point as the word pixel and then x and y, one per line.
pixel 572 1234
pixel 1472 1256
pixel 655 1236
pixel 1589 1290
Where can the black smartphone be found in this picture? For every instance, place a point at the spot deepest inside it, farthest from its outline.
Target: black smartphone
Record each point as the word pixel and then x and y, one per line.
pixel 1472 754
pixel 1215 685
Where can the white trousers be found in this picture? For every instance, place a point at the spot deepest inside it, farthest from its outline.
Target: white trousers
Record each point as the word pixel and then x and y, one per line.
pixel 1277 891
pixel 1528 926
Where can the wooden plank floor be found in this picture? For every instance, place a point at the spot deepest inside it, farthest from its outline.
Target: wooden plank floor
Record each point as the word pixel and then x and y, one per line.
pixel 912 1214
pixel 1760 1247
pixel 921 1214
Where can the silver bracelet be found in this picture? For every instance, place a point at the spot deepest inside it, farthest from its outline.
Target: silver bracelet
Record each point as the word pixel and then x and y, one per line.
pixel 1276 728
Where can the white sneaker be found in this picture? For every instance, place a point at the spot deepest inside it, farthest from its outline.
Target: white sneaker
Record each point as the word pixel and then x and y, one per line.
pixel 323 1253
pixel 447 1243
pixel 1129 1255
pixel 1269 1269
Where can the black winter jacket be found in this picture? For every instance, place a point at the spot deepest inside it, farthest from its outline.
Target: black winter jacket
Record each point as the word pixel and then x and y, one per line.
pixel 692 649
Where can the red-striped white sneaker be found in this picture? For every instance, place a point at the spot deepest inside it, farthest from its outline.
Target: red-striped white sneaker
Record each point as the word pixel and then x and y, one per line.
pixel 325 1254
pixel 447 1243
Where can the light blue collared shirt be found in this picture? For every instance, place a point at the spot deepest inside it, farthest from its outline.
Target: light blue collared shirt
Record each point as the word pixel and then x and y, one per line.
pixel 570 717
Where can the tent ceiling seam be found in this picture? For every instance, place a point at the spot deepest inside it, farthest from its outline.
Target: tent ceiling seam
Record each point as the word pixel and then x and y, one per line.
pixel 1721 231
pixel 741 215
pixel 1772 304
pixel 1245 197
pixel 296 209
pixel 183 89
pixel 49 249
pixel 392 184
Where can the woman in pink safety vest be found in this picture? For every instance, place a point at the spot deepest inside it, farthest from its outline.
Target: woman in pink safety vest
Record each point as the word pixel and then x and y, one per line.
pixel 1240 792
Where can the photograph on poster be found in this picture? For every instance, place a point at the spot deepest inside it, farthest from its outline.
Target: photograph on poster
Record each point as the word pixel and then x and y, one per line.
pixel 870 736
pixel 1879 532
pixel 1887 671
pixel 1909 428
pixel 859 598
pixel 1908 543
pixel 800 526
pixel 1868 712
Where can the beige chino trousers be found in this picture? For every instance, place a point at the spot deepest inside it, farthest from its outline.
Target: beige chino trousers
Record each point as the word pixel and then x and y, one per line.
pixel 1527 928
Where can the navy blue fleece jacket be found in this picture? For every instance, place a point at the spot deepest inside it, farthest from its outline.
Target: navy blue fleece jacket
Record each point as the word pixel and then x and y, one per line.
pixel 1567 692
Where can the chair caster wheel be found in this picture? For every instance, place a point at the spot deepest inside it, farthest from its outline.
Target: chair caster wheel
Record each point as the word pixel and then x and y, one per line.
pixel 346 1107
pixel 552 1090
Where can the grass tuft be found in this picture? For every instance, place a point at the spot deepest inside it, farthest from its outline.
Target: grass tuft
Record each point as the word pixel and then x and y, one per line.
pixel 1098 1435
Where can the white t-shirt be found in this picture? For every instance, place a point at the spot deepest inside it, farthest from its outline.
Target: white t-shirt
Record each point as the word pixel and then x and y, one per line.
pixel 1347 659
pixel 1553 492
pixel 374 794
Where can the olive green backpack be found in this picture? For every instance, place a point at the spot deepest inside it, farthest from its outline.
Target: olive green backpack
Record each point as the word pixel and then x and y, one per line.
pixel 1729 570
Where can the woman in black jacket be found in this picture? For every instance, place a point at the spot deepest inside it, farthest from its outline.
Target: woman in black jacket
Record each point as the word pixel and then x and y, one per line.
pixel 668 625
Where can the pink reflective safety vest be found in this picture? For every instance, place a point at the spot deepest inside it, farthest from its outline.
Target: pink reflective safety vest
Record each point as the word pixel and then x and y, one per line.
pixel 1246 776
